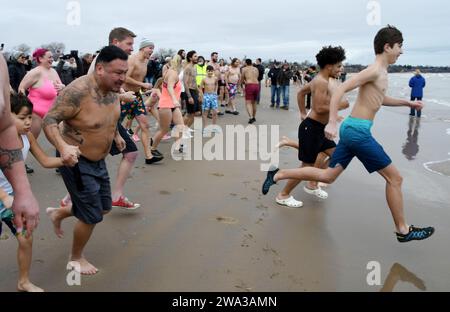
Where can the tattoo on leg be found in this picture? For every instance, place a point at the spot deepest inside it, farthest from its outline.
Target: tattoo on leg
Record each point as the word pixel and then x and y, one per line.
pixel 9 157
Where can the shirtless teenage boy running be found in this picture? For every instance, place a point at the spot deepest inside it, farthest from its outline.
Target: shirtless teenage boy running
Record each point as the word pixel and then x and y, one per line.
pixel 355 137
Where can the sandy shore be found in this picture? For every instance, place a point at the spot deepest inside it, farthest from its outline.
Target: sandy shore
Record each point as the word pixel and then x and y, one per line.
pixel 204 226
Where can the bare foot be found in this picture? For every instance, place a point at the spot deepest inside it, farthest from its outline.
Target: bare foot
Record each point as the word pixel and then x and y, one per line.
pixel 27 286
pixel 82 266
pixel 283 142
pixel 53 215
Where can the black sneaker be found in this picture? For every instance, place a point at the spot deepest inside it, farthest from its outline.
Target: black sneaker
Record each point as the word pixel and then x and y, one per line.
pixel 153 160
pixel 235 113
pixel 415 233
pixel 156 153
pixel 29 169
pixel 269 181
pixel 251 120
pixel 130 132
pixel 272 105
pixel 220 114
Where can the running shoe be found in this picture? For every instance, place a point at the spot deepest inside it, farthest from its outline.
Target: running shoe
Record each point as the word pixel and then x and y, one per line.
pixel 156 153
pixel 125 203
pixel 269 181
pixel 29 169
pixel 415 233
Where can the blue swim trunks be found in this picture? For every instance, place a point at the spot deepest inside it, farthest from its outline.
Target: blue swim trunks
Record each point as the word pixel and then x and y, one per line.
pixel 210 101
pixel 356 140
pixel 6 216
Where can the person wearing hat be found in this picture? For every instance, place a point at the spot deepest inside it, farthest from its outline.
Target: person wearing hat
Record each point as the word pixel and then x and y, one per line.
pixel 137 69
pixel 416 83
pixel 16 69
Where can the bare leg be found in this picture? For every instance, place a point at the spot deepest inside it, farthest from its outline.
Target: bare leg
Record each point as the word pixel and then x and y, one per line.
pixel 24 256
pixel 189 119
pixel 328 175
pixel 214 117
pixel 57 215
pixel 394 196
pixel 165 117
pixel 36 125
pixel 81 234
pixel 248 105
pixel 291 185
pixel 145 135
pixel 125 167
pixel 285 141
pixel 205 118
pixel 254 109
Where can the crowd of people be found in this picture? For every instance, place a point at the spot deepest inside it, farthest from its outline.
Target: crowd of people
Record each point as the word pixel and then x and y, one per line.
pixel 76 103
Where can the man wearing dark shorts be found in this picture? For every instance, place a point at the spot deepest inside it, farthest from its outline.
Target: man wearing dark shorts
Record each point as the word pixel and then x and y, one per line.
pixel 190 85
pixel 88 109
pixel 311 136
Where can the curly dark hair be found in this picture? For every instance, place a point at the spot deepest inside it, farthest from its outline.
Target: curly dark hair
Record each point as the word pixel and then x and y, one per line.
pixel 330 56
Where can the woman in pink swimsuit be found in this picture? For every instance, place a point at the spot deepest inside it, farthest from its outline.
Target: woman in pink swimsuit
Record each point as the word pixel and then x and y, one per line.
pixel 43 85
pixel 169 104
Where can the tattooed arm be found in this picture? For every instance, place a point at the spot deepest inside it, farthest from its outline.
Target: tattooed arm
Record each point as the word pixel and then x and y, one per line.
pixel 25 206
pixel 67 106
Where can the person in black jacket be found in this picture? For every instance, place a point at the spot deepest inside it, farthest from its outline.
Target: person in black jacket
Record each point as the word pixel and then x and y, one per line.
pixel 16 69
pixel 275 86
pixel 69 68
pixel 284 79
pixel 260 68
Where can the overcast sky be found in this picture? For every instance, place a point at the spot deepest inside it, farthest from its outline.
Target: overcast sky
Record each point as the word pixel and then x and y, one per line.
pixel 271 29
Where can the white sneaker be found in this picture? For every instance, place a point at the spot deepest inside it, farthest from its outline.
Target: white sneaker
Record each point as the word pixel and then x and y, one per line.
pixel 317 192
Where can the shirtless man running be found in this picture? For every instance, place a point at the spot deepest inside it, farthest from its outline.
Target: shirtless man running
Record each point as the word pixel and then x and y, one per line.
pixel 137 69
pixel 311 136
pixel 356 138
pixel 89 109
pixel 249 77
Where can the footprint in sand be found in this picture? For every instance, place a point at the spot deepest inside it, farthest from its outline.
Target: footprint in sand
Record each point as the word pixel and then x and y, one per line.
pixel 233 194
pixel 226 220
pixel 244 198
pixel 217 174
pixel 247 237
pixel 243 286
pixel 165 193
pixel 270 251
pixel 260 221
pixel 262 207
pixel 274 275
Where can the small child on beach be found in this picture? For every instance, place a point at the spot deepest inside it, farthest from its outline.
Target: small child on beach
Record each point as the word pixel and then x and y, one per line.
pixel 21 109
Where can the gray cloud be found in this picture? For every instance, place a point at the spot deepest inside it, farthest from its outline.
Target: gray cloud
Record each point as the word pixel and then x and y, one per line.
pixel 282 29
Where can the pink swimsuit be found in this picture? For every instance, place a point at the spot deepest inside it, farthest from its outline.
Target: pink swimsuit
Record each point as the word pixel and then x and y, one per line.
pixel 42 97
pixel 166 100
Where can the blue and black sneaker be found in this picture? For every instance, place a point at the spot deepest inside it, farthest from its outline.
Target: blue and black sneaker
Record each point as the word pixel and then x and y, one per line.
pixel 415 233
pixel 269 181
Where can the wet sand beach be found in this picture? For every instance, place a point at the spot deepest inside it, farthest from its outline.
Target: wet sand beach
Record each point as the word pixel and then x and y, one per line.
pixel 205 226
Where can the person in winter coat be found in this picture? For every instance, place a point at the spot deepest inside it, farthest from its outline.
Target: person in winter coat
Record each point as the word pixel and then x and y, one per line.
pixel 416 83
